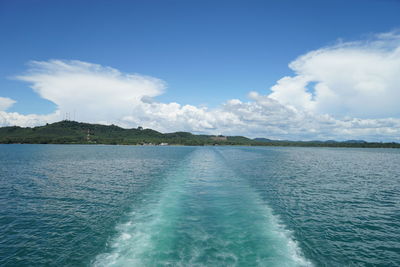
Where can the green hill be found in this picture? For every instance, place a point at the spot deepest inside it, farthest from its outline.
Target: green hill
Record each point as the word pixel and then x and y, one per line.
pixel 72 132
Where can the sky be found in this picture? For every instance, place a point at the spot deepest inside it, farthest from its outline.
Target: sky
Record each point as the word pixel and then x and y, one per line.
pixel 280 69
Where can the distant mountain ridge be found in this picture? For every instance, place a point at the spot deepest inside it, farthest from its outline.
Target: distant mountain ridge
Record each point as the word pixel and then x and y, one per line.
pixel 72 132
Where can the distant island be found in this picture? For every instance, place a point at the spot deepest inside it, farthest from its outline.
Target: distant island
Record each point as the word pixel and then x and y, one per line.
pixel 72 132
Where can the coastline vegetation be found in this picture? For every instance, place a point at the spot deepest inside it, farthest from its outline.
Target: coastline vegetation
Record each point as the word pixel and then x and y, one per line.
pixel 72 132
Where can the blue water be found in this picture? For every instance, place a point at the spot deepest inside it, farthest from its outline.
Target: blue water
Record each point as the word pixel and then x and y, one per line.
pixel 76 205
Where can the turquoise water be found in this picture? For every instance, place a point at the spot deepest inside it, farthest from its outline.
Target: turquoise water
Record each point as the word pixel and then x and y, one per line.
pixel 198 206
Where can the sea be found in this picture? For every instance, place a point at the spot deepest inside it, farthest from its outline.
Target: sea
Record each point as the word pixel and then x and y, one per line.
pixel 98 205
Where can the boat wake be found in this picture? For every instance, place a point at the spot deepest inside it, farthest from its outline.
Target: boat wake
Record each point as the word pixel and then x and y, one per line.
pixel 205 215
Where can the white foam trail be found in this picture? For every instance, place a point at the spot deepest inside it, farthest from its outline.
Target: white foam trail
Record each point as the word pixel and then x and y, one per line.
pixel 292 248
pixel 173 227
pixel 135 242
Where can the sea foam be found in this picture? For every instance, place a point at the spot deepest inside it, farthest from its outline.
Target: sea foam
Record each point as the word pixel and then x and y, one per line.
pixel 205 215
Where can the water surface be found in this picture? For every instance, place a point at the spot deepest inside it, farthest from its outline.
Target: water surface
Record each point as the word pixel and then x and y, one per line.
pixel 198 206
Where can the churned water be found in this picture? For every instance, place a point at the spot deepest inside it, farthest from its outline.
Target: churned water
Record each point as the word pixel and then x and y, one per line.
pixel 67 205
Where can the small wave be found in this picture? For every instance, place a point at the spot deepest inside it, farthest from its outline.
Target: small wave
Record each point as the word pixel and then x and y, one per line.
pixel 205 216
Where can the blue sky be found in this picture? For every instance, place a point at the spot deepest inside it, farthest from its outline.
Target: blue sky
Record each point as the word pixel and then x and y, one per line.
pixel 206 52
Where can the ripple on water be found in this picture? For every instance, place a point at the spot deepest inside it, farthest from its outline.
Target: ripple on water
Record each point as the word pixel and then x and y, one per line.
pixel 206 215
pixel 83 205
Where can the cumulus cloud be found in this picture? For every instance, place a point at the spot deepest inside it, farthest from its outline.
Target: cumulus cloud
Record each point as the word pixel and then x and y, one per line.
pixel 98 93
pixel 30 120
pixel 346 91
pixel 359 79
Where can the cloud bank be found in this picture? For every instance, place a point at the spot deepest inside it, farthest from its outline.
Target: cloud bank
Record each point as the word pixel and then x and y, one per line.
pixel 346 91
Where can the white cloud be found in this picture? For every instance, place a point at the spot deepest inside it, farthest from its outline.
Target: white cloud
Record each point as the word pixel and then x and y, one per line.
pixel 95 92
pixel 360 79
pixel 347 91
pixel 6 103
pixel 14 118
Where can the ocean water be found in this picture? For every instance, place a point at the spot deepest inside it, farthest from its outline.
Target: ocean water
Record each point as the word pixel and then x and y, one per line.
pixel 77 205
